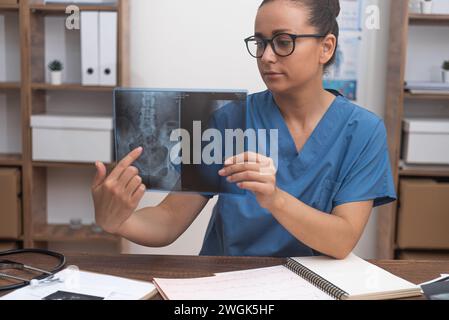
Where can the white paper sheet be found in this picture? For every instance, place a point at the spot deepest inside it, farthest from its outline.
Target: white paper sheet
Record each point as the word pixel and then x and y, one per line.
pixel 273 283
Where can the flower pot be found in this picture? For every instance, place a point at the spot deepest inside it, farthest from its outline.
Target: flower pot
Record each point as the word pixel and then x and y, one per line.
pixel 414 6
pixel 426 7
pixel 445 76
pixel 56 77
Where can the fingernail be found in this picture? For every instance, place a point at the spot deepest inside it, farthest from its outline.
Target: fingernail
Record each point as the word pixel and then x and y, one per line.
pixel 222 172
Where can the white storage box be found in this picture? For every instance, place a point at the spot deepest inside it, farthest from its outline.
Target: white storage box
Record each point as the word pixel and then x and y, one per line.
pixel 72 138
pixel 426 141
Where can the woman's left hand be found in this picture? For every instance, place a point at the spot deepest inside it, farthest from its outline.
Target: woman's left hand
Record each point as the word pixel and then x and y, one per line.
pixel 253 172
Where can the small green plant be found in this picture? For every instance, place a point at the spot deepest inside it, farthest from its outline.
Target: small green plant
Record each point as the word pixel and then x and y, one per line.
pixel 446 65
pixel 55 65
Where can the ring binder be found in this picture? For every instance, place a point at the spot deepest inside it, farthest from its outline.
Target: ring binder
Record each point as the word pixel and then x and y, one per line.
pixel 316 280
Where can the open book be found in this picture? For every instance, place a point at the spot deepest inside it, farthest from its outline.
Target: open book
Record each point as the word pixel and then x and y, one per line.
pixel 308 278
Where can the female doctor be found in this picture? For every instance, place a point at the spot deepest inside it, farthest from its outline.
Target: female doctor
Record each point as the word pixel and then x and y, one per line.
pixel 333 157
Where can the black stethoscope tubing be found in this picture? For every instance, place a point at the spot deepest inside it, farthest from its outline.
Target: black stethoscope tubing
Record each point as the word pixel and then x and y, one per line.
pixel 59 267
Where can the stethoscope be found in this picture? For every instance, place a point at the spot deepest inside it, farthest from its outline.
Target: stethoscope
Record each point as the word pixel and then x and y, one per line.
pixel 45 276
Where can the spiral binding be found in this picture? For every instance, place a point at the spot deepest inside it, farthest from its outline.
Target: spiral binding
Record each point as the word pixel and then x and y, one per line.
pixel 316 280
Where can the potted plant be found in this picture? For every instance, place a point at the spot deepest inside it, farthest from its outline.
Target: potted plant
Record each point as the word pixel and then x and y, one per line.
pixel 446 71
pixel 426 6
pixel 56 72
pixel 414 6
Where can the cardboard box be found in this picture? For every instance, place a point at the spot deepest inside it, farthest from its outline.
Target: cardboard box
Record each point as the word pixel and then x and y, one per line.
pixel 426 141
pixel 9 2
pixel 423 218
pixel 6 246
pixel 72 138
pixel 424 255
pixel 10 208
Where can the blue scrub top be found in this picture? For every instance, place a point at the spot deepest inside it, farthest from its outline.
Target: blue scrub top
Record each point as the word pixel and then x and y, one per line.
pixel 344 160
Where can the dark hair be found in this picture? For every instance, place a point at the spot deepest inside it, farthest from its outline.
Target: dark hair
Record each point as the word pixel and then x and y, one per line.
pixel 322 15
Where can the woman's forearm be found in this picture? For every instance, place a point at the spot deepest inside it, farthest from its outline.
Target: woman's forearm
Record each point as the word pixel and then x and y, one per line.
pixel 149 227
pixel 160 226
pixel 326 233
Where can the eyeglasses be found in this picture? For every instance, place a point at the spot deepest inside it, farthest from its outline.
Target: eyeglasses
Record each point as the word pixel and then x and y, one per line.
pixel 283 44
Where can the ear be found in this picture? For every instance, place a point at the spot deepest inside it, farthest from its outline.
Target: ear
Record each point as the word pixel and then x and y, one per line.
pixel 328 47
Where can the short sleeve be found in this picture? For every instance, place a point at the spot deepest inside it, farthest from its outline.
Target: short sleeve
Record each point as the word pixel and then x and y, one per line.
pixel 370 177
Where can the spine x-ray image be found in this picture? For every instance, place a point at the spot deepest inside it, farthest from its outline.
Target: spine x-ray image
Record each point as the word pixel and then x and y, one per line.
pixel 183 135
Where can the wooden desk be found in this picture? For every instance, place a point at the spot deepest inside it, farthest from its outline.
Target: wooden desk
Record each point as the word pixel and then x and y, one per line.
pixel 145 267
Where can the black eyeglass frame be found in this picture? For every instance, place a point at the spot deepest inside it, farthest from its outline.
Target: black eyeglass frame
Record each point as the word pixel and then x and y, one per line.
pixel 270 41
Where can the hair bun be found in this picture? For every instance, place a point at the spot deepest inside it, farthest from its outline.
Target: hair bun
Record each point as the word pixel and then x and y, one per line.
pixel 334 7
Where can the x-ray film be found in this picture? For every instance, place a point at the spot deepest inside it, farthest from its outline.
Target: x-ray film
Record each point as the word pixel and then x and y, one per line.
pixel 186 135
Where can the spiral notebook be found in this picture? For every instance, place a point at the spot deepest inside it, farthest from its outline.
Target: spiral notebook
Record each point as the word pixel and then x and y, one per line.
pixel 308 278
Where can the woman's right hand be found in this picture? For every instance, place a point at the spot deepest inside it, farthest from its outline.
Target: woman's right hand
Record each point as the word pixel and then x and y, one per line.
pixel 117 196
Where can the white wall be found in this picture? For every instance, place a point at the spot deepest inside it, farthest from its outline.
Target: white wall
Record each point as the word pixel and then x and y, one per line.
pixel 428 47
pixel 169 48
pixel 63 45
pixel 2 49
pixel 10 121
pixel 371 93
pixel 174 44
pixel 9 46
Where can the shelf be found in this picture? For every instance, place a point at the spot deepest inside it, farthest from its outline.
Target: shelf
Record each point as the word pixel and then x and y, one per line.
pixel 410 96
pixel 6 245
pixel 33 86
pixel 424 171
pixel 10 159
pixel 9 85
pixel 19 239
pixel 70 87
pixel 9 7
pixel 51 164
pixel 57 8
pixel 429 19
pixel 63 233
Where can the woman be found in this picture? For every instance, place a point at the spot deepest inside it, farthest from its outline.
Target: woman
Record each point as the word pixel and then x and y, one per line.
pixel 333 159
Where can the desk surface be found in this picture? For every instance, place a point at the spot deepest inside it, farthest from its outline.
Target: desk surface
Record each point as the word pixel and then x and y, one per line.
pixel 145 267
